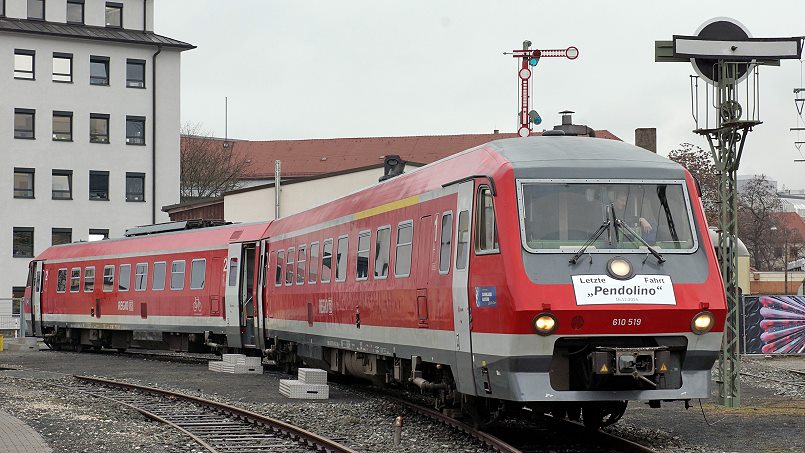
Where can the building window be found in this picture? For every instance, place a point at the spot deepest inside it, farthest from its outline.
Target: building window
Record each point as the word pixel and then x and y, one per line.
pixel 402 257
pixel 23 242
pixel 75 279
pixel 60 236
pixel 177 275
pixel 62 185
pixel 486 232
pixel 89 279
pixel 135 73
pixel 362 264
pixel 158 279
pixel 341 259
pixel 24 123
pixel 140 276
pixel 98 128
pixel 36 9
pixel 124 281
pixel 23 182
pixel 313 273
pixel 61 281
pixel 75 11
pixel 197 272
pixel 99 185
pixel 327 261
pixel 382 246
pixel 98 70
pixel 24 64
pixel 446 245
pixel 97 234
pixel 62 67
pixel 108 278
pixel 135 130
pixel 114 14
pixel 135 186
pixel 62 126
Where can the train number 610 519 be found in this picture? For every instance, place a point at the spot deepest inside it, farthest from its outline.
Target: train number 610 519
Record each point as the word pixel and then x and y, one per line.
pixel 626 321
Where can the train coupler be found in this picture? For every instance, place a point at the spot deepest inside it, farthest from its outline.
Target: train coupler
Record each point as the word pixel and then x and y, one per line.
pixel 635 362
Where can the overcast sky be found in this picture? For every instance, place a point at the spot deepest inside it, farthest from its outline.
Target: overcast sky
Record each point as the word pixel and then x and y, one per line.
pixel 324 69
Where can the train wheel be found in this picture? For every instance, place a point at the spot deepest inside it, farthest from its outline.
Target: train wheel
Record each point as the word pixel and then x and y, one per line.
pixel 482 411
pixel 599 415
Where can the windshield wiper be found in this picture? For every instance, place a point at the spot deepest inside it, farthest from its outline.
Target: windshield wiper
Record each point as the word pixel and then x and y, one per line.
pixel 604 227
pixel 619 223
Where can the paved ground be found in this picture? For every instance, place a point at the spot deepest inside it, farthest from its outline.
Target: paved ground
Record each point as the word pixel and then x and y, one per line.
pixel 17 437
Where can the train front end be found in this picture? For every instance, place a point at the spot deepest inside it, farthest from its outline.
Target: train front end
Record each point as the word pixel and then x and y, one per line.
pixel 614 293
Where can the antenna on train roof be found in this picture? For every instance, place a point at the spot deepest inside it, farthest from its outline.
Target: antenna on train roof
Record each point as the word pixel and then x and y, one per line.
pixel 393 166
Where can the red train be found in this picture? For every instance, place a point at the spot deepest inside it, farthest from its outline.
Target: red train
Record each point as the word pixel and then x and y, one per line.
pixel 563 273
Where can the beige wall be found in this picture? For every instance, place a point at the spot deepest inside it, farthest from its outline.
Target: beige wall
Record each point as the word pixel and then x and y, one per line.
pixel 257 205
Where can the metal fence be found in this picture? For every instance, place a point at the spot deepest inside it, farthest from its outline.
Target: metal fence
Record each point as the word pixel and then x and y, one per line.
pixel 10 309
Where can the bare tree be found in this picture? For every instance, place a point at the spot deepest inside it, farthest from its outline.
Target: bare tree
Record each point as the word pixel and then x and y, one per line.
pixel 700 164
pixel 209 166
pixel 757 204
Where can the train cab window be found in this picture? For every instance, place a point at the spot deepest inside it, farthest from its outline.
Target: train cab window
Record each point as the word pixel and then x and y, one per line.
pixel 289 262
pixel 75 279
pixel 402 256
pixel 61 281
pixel 177 275
pixel 362 264
pixel 301 261
pixel 124 279
pixel 158 278
pixel 341 259
pixel 140 276
pixel 486 230
pixel 313 272
pixel 280 265
pixel 108 278
pixel 327 261
pixel 89 279
pixel 198 272
pixel 382 246
pixel 463 242
pixel 446 243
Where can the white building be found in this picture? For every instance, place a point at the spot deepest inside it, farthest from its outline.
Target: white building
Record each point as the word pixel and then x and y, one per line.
pixel 84 82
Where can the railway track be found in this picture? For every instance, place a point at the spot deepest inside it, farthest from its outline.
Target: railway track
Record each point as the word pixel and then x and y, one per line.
pixel 217 427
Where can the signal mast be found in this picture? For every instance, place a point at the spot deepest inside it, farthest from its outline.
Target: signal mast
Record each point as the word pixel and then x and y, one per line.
pixel 529 59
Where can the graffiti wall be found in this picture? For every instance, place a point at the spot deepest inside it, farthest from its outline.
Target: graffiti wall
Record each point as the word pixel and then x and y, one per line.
pixel 773 324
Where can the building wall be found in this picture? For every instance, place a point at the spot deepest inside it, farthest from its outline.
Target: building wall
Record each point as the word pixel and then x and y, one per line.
pixel 774 283
pixel 79 97
pixel 257 205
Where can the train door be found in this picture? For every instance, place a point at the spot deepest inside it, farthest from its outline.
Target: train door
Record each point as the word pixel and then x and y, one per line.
pixel 462 316
pixel 35 283
pixel 241 295
pixel 426 255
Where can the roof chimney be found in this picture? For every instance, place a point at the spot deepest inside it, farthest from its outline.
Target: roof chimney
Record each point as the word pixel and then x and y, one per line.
pixel 646 138
pixel 567 117
pixel 568 128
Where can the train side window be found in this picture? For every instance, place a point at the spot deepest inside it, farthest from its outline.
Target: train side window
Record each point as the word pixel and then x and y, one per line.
pixel 327 261
pixel 486 230
pixel 61 281
pixel 341 259
pixel 463 242
pixel 382 246
pixel 75 279
pixel 177 275
pixel 108 278
pixel 301 261
pixel 140 276
pixel 89 279
pixel 158 279
pixel 279 266
pixel 405 244
pixel 362 264
pixel 446 243
pixel 198 273
pixel 313 272
pixel 124 279
pixel 289 263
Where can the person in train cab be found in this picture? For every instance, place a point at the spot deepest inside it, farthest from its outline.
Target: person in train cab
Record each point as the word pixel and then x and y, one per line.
pixel 639 224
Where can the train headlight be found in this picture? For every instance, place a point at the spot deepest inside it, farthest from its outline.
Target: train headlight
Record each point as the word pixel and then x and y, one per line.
pixel 545 324
pixel 702 322
pixel 619 268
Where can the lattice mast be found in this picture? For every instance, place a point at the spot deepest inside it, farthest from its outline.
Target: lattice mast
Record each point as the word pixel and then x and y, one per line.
pixel 724 54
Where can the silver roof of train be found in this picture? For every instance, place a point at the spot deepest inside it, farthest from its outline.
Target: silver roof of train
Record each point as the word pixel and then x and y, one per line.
pixel 557 157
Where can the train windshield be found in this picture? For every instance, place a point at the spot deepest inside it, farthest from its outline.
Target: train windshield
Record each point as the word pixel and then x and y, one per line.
pixel 565 215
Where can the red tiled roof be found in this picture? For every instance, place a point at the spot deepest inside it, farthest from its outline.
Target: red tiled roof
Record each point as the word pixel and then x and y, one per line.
pixel 793 222
pixel 318 156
